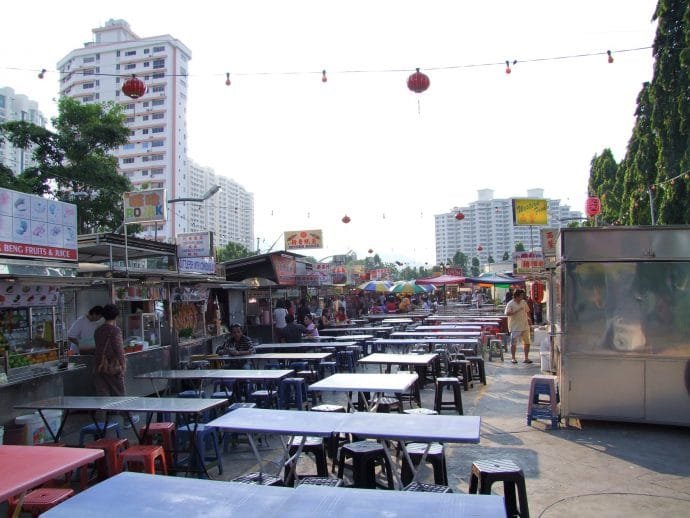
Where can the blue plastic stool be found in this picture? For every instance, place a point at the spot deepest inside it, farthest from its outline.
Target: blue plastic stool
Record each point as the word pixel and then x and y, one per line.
pixel 537 407
pixel 345 361
pixel 292 391
pixel 98 431
pixel 192 394
pixel 223 390
pixel 327 367
pixel 205 439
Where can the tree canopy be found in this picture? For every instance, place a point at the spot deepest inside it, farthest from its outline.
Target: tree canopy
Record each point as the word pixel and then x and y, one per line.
pixel 74 161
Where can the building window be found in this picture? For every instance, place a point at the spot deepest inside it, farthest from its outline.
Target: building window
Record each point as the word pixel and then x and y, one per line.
pixel 145 131
pixel 117 93
pixel 159 88
pixel 159 129
pixel 147 63
pixel 158 102
pixel 131 53
pixel 146 104
pixel 158 143
pixel 158 115
pixel 158 63
pixel 89 59
pixel 130 66
pixel 86 86
pixel 158 49
pixel 155 158
pixel 88 72
pixel 146 117
pixel 128 160
pixel 87 99
pixel 158 75
pixel 117 80
pixel 128 146
pixel 129 120
pixel 128 106
pixel 117 53
pixel 146 51
pixel 117 67
pixel 144 145
pixel 144 172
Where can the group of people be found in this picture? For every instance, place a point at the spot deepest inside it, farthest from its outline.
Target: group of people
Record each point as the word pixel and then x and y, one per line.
pixel 294 324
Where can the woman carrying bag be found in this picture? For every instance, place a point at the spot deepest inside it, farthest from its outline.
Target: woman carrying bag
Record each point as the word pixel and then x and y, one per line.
pixel 109 373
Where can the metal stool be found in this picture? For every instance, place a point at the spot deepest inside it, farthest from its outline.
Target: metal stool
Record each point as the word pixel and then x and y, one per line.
pixel 365 455
pixel 435 456
pixel 461 369
pixel 477 368
pixel 454 385
pixel 485 472
pixel 321 481
pixel 98 431
pixel 258 479
pixel 334 441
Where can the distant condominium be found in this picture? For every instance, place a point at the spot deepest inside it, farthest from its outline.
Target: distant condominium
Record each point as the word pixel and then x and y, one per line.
pixel 486 229
pixel 156 154
pixel 17 107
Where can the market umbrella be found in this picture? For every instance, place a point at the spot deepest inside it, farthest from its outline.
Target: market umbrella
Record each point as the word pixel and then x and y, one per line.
pixel 376 286
pixel 497 280
pixel 407 288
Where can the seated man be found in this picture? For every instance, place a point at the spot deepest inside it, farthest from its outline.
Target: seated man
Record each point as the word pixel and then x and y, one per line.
pixel 292 332
pixel 237 344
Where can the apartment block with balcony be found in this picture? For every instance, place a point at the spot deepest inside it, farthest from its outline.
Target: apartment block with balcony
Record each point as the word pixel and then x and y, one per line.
pixel 18 107
pixel 156 154
pixel 487 229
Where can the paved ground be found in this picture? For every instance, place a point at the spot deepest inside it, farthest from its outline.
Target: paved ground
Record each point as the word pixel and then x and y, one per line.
pixel 595 469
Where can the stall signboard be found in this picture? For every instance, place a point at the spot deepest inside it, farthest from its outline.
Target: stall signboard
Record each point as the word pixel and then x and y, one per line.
pixel 301 239
pixel 379 274
pixel 189 294
pixel 36 227
pixel 528 262
pixel 14 294
pixel 285 268
pixel 145 206
pixel 195 244
pixel 530 211
pixel 323 272
pixel 138 293
pixel 197 265
pixel 549 236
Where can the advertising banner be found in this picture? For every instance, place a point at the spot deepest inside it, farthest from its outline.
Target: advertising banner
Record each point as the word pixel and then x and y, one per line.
pixel 301 239
pixel 528 211
pixel 13 294
pixel 197 265
pixel 528 262
pixel 36 227
pixel 195 244
pixel 145 206
pixel 285 269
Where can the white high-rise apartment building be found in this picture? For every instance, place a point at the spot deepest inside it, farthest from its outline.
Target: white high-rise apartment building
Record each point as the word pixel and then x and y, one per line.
pixel 17 107
pixel 156 155
pixel 487 228
pixel 229 213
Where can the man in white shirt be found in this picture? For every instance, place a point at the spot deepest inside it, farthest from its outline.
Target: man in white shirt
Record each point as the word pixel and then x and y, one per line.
pixel 517 311
pixel 81 331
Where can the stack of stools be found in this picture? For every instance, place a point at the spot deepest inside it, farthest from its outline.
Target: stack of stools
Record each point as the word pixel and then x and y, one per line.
pixel 453 384
pixel 204 438
pixel 345 361
pixel 39 500
pixel 98 431
pixel 165 433
pixel 292 391
pixel 313 445
pixel 110 464
pixel 144 455
pixel 333 442
pixel 366 455
pixel 477 368
pixel 435 456
pixel 543 385
pixel 486 472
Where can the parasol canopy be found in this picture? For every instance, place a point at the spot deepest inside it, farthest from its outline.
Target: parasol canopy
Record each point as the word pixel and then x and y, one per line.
pixel 376 286
pixel 442 279
pixel 497 280
pixel 407 288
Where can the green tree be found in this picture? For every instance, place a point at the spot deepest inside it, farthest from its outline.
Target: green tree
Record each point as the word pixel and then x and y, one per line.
pixel 604 183
pixel 490 259
pixel 74 162
pixel 475 267
pixel 519 247
pixel 506 256
pixel 232 251
pixel 460 260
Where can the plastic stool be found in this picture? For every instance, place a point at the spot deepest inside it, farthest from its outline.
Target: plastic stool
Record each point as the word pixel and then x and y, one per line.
pixel 365 455
pixel 461 369
pixel 204 438
pixel 223 390
pixel 264 398
pixel 145 455
pixel 98 431
pixel 454 385
pixel 330 367
pixel 321 481
pixel 427 488
pixel 334 440
pixel 420 411
pixel 495 348
pixel 39 500
pixel 345 361
pixel 292 391
pixel 166 432
pixel 191 394
pixel 477 368
pixel 435 456
pixel 486 472
pixel 543 385
pixel 313 445
pixel 229 437
pixel 258 479
pixel 110 464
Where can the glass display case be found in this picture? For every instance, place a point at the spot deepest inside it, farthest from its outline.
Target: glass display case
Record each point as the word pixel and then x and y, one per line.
pixel 28 336
pixel 144 325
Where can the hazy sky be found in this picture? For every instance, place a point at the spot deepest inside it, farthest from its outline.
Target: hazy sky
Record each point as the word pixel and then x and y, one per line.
pixel 361 144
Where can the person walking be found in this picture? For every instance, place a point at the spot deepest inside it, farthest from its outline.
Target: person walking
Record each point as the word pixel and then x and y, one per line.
pixel 519 321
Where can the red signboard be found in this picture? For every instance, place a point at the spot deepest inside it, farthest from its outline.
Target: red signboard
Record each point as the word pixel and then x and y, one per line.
pixel 592 206
pixel 44 252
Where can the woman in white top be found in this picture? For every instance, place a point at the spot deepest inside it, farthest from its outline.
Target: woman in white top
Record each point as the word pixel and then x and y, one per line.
pixel 279 314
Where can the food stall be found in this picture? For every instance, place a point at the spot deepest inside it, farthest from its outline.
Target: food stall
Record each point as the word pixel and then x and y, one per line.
pixel 622 300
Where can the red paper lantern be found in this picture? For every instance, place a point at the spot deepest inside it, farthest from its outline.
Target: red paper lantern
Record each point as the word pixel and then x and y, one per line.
pixel 459 216
pixel 134 87
pixel 418 82
pixel 480 248
pixel 346 219
pixel 592 206
pixel 370 251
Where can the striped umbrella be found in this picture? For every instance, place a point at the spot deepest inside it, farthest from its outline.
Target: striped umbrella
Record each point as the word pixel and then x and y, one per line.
pixel 376 286
pixel 407 288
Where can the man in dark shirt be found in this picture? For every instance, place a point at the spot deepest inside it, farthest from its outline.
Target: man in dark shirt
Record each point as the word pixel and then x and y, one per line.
pixel 292 332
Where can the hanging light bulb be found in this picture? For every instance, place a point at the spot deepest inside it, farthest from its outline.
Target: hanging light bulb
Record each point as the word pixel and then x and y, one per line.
pixel 610 56
pixel 227 79
pixel 323 76
pixel 42 73
pixel 508 69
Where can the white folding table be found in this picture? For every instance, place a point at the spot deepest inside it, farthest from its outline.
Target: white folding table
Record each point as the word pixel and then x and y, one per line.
pixel 400 383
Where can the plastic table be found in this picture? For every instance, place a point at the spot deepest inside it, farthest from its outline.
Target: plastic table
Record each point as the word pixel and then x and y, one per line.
pixel 378 383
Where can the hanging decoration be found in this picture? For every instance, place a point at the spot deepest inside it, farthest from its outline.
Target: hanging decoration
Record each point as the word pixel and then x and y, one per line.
pixel 592 206
pixel 537 292
pixel 370 251
pixel 42 73
pixel 610 56
pixel 227 79
pixel 480 248
pixel 346 219
pixel 134 87
pixel 459 216
pixel 323 76
pixel 418 82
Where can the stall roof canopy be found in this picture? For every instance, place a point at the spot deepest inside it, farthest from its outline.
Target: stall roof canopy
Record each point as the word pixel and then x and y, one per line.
pixel 96 248
pixel 259 266
pixel 496 279
pixel 442 279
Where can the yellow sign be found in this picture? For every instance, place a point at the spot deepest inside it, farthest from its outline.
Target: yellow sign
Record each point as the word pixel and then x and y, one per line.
pixel 300 239
pixel 527 211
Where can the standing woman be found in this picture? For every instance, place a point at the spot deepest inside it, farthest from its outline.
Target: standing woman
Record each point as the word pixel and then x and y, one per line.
pixel 109 374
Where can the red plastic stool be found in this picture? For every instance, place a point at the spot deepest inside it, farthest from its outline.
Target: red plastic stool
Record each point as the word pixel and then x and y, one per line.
pixel 83 471
pixel 39 500
pixel 146 455
pixel 110 464
pixel 166 432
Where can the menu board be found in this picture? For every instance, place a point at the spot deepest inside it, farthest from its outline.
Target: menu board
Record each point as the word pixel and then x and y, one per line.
pixel 14 294
pixel 36 227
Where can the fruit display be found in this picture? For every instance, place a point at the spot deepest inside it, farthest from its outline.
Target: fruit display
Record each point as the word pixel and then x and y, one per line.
pixel 186 315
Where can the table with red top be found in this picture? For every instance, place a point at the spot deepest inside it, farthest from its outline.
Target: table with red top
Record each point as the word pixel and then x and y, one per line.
pixel 26 467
